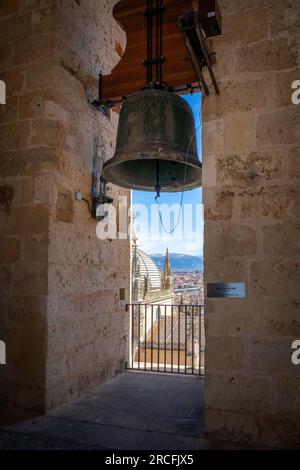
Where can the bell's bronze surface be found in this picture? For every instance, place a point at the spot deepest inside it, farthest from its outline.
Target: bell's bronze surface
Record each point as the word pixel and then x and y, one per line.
pixel 156 130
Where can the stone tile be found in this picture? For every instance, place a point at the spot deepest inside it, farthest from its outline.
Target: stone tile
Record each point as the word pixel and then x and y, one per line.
pixel 183 426
pixel 154 442
pixel 18 441
pixel 76 412
pixel 86 433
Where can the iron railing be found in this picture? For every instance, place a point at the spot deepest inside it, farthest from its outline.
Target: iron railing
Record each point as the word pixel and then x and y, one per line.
pixel 167 338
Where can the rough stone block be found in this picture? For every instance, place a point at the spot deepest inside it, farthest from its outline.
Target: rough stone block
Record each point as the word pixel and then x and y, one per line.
pixel 32 105
pixel 209 175
pixel 284 18
pixel 288 393
pixel 294 163
pixel 30 279
pixel 230 240
pixel 224 65
pixel 235 392
pixel 5 280
pixel 39 77
pixel 44 189
pixel 229 8
pixel 262 274
pixel 282 239
pixel 10 250
pixel 282 318
pixel 229 319
pixel 224 272
pixel 27 357
pixel 92 278
pixel 35 248
pixel 256 168
pixel 213 137
pixel 63 280
pixel 234 426
pixel 241 96
pixel 276 54
pixel 7 196
pixel 64 206
pixel 36 5
pixel 46 132
pixel 223 207
pixel 8 112
pixel 223 353
pixel 29 310
pixel 14 81
pixel 31 50
pixel 9 8
pixel 280 128
pixel 28 161
pixel 22 220
pixel 14 29
pixel 271 357
pixel 263 202
pixel 14 135
pixel 24 192
pixel 246 26
pixel 6 55
pixel 280 430
pixel 239 133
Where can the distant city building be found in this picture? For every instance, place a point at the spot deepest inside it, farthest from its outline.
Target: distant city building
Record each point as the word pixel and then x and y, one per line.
pixel 149 285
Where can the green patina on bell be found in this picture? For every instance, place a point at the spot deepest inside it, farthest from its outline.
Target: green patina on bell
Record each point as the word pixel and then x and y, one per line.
pixel 156 133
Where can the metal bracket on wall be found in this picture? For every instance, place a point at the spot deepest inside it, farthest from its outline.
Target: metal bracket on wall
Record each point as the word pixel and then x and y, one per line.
pixel 99 104
pixel 99 196
pixel 198 48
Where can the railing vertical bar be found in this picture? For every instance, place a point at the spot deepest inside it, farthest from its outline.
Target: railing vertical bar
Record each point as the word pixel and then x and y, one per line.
pixel 158 338
pixel 193 339
pixel 139 338
pixel 145 340
pixel 132 312
pixel 152 337
pixel 165 361
pixel 200 338
pixel 178 339
pixel 172 334
pixel 203 340
pixel 185 339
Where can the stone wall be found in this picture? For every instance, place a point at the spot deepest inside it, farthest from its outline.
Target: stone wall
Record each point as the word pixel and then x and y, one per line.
pixel 61 318
pixel 251 146
pixel 27 146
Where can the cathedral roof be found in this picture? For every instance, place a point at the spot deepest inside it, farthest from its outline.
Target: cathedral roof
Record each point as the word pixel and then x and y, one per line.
pixel 147 268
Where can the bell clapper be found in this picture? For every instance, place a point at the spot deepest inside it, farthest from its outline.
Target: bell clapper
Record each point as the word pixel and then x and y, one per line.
pixel 157 186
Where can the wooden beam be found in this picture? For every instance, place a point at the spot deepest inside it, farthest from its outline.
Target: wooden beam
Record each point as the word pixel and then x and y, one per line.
pixel 129 75
pixel 181 66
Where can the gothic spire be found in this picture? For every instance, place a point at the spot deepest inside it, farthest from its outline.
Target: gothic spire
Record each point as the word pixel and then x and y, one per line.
pixel 167 272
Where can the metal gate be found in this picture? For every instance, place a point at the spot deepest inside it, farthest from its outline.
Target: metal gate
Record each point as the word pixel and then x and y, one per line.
pixel 167 338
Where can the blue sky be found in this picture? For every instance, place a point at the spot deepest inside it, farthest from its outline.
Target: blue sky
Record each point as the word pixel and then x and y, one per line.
pixel 188 237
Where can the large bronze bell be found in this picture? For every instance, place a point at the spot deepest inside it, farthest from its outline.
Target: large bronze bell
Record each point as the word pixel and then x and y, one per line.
pixel 156 144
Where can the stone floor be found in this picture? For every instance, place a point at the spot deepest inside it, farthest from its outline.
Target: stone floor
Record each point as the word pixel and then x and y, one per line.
pixel 134 411
pixel 131 412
